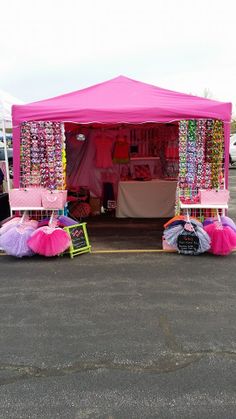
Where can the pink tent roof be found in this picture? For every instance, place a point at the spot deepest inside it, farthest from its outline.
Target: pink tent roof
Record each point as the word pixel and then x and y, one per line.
pixel 122 100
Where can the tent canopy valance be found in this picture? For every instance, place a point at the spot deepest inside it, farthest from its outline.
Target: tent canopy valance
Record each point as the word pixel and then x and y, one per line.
pixel 122 100
pixel 117 101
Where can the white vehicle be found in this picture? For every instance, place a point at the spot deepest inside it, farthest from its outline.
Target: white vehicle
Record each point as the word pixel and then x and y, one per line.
pixel 2 153
pixel 232 149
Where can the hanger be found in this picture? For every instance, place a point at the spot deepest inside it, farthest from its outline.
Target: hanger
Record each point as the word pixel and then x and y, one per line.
pixel 218 216
pixel 187 216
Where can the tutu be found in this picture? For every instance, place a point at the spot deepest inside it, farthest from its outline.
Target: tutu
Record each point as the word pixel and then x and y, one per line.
pixel 66 221
pixel 14 241
pixel 171 235
pixel 43 222
pixel 208 221
pixel 188 241
pixel 181 219
pixel 49 241
pixel 223 238
pixel 225 221
pixel 179 231
pixel 204 240
pixel 194 222
pixel 9 224
pixel 173 219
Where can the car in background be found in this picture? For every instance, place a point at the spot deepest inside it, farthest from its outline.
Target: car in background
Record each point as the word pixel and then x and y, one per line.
pixel 9 153
pixel 232 149
pixel 9 147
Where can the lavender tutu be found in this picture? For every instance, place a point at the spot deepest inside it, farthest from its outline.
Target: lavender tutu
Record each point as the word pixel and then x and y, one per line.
pixel 9 225
pixel 14 241
pixel 66 221
pixel 227 221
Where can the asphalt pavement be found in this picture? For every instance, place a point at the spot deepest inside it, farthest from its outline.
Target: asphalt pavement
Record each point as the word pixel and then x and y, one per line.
pixel 136 335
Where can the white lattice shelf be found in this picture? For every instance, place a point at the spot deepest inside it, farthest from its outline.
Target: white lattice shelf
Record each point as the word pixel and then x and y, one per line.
pixel 204 206
pixel 32 209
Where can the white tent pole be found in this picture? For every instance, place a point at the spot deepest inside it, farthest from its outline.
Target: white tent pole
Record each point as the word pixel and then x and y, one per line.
pixel 5 152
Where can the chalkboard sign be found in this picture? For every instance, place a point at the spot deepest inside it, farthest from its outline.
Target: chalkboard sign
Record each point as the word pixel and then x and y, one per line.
pixel 188 243
pixel 79 239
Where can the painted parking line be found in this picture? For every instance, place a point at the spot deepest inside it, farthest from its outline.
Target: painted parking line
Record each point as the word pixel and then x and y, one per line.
pixel 140 251
pixel 129 251
pixel 125 251
pixel 133 251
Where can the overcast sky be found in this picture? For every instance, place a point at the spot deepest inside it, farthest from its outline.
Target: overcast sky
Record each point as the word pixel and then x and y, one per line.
pixel 51 47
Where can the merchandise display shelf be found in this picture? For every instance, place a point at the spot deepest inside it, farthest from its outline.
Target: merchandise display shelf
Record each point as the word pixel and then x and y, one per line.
pixel 33 209
pixel 203 206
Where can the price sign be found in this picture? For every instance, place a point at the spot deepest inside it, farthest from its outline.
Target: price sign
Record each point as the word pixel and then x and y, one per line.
pixel 188 243
pixel 79 239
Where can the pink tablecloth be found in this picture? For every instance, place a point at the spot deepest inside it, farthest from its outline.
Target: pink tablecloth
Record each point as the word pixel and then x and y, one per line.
pixel 150 199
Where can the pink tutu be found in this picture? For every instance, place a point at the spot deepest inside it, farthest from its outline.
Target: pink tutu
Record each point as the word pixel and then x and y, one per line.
pixel 49 241
pixel 223 238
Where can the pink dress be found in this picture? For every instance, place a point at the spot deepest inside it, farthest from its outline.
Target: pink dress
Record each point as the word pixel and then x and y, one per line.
pixel 103 145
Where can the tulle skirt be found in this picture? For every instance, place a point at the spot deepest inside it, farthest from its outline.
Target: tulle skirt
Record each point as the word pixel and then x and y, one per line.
pixel 49 241
pixel 14 241
pixel 223 239
pixel 171 235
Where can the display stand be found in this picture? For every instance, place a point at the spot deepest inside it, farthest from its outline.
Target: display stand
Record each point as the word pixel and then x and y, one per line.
pixel 32 209
pixel 204 206
pixel 14 209
pixel 6 154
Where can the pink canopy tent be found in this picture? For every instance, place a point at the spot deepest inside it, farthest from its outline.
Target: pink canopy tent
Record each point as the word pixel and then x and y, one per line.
pixel 120 100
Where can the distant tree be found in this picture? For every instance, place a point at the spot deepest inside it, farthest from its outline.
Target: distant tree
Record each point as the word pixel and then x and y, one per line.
pixel 233 126
pixel 207 93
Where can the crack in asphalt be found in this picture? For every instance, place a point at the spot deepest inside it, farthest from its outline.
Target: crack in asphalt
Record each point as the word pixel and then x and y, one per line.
pixel 166 364
pixel 176 359
pixel 170 339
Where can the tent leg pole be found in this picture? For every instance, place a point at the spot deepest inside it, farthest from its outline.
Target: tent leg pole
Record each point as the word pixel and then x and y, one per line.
pixel 6 156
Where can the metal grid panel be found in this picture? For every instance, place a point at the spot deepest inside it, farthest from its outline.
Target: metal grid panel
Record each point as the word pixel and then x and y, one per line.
pixel 42 160
pixel 201 162
pixel 35 214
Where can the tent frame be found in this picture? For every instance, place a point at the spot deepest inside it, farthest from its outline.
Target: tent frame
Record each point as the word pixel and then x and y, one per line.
pixel 5 152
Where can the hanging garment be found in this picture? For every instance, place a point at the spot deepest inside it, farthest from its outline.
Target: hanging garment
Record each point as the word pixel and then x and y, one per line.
pixel 121 150
pixel 103 144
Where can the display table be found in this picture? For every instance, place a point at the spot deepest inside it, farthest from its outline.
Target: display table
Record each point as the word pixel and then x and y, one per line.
pixel 146 199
